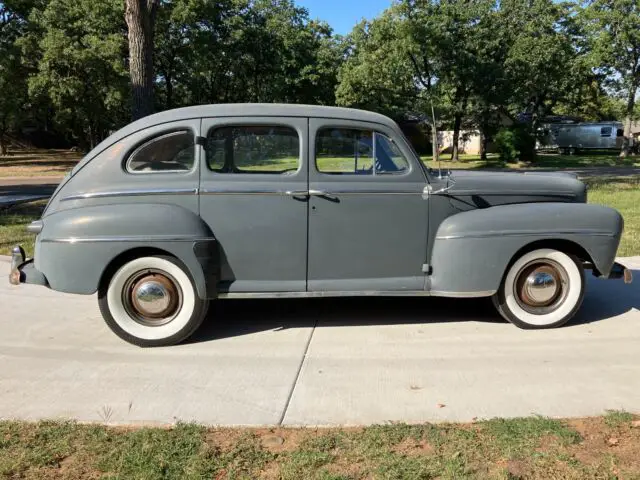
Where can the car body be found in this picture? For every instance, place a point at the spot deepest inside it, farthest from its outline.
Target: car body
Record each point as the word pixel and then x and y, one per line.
pixel 253 200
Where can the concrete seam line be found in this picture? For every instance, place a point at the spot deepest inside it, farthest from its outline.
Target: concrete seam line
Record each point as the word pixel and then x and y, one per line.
pixel 295 381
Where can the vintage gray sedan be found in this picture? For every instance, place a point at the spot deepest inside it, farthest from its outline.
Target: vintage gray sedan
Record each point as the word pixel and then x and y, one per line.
pixel 237 201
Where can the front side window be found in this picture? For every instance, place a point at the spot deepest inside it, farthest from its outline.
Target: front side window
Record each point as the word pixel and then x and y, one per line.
pixel 253 149
pixel 346 151
pixel 171 152
pixel 606 131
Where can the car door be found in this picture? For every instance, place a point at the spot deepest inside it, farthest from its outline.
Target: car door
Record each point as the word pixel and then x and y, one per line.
pixel 253 196
pixel 368 218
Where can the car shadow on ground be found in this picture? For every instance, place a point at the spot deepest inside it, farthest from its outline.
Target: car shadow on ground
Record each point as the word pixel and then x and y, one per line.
pixel 604 299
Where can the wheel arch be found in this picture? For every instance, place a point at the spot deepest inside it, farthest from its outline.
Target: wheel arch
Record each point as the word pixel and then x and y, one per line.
pixel 128 255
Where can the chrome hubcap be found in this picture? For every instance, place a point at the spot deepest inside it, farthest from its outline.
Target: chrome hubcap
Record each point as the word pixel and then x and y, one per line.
pixel 152 298
pixel 541 286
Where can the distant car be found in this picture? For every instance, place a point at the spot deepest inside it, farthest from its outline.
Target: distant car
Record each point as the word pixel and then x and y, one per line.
pixel 274 201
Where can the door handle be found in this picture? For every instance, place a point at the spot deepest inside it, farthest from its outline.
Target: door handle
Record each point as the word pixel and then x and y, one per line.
pixel 297 194
pixel 323 194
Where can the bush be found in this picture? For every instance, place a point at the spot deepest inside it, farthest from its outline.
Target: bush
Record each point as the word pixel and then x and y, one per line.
pixel 514 144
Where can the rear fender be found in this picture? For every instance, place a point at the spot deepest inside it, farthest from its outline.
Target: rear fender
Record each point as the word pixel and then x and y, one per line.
pixel 77 246
pixel 472 250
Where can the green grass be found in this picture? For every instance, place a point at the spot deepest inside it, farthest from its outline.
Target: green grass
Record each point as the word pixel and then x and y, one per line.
pixel 13 223
pixel 617 418
pixel 532 447
pixel 543 160
pixel 623 194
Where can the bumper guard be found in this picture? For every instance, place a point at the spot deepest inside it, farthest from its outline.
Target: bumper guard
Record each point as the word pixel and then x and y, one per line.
pixel 23 270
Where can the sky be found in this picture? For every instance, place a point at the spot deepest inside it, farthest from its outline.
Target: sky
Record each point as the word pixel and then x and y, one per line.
pixel 342 15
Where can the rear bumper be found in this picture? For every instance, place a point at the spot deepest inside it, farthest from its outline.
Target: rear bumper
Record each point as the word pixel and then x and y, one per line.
pixel 24 271
pixel 620 271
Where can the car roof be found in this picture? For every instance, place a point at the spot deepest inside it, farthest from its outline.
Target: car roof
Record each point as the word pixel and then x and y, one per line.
pixel 235 110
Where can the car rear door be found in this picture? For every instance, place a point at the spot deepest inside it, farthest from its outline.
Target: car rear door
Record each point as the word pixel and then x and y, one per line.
pixel 253 196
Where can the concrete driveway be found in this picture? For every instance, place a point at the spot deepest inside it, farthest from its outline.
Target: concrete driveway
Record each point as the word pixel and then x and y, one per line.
pixel 320 362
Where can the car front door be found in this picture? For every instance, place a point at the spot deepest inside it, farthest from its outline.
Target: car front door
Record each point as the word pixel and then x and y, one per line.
pixel 253 196
pixel 368 217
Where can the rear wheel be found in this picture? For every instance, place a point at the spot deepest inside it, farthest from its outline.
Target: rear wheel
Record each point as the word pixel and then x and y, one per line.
pixel 152 301
pixel 542 289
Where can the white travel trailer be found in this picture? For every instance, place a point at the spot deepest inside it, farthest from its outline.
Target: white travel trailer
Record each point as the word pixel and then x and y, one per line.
pixel 569 138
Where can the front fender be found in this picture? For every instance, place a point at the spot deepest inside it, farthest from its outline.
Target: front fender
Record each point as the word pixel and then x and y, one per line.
pixel 76 246
pixel 473 249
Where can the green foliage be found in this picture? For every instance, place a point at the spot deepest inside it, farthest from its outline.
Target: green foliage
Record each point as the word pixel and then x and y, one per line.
pixel 513 144
pixel 75 49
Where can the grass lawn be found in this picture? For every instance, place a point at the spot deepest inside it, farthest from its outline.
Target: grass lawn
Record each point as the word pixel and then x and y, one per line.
pixel 533 447
pixel 543 160
pixel 38 163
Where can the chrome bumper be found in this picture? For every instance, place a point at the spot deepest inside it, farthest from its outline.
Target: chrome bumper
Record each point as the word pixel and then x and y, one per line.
pixel 620 271
pixel 23 270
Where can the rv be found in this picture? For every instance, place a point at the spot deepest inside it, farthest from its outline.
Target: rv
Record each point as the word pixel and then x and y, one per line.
pixel 569 138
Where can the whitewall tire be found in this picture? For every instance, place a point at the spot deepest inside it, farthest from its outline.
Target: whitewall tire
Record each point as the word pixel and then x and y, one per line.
pixel 152 301
pixel 542 289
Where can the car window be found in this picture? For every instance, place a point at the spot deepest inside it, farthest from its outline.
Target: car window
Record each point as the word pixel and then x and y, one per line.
pixel 620 133
pixel 171 152
pixel 606 131
pixel 346 151
pixel 253 149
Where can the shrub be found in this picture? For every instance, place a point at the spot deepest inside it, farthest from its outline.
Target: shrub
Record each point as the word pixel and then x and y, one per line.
pixel 514 144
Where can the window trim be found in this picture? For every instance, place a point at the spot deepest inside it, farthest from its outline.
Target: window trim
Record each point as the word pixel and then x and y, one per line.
pixel 148 140
pixel 374 175
pixel 270 174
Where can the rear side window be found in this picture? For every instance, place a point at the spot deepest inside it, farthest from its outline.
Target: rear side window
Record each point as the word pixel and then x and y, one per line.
pixel 606 131
pixel 171 152
pixel 346 151
pixel 267 149
pixel 619 133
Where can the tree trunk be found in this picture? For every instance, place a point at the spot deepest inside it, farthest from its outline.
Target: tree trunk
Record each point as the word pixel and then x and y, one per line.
pixel 631 103
pixel 457 121
pixel 169 82
pixel 140 17
pixel 4 147
pixel 484 140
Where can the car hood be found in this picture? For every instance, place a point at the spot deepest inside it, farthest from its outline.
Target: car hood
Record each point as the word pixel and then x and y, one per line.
pixel 485 189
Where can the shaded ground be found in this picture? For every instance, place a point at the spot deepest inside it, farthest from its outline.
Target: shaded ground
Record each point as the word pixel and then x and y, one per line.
pixel 524 448
pixel 38 163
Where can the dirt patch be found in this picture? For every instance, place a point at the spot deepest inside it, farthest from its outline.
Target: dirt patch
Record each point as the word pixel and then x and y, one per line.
pixel 411 446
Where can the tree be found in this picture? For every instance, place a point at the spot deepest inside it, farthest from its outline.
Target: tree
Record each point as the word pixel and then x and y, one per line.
pixel 13 91
pixel 614 28
pixel 75 51
pixel 140 16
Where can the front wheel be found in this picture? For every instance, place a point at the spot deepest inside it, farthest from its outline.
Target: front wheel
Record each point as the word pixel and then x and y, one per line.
pixel 152 301
pixel 542 289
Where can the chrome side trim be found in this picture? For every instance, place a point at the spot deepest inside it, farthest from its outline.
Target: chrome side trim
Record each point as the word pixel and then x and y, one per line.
pixel 525 193
pixel 481 293
pixel 257 191
pixel 131 193
pixel 370 192
pixel 363 293
pixel 526 233
pixel 133 238
pixel 224 191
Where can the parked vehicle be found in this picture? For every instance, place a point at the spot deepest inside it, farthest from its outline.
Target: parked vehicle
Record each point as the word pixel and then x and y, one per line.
pixel 205 203
pixel 570 138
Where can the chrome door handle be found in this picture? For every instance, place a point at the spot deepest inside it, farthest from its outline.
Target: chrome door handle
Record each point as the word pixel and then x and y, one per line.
pixel 324 194
pixel 297 193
